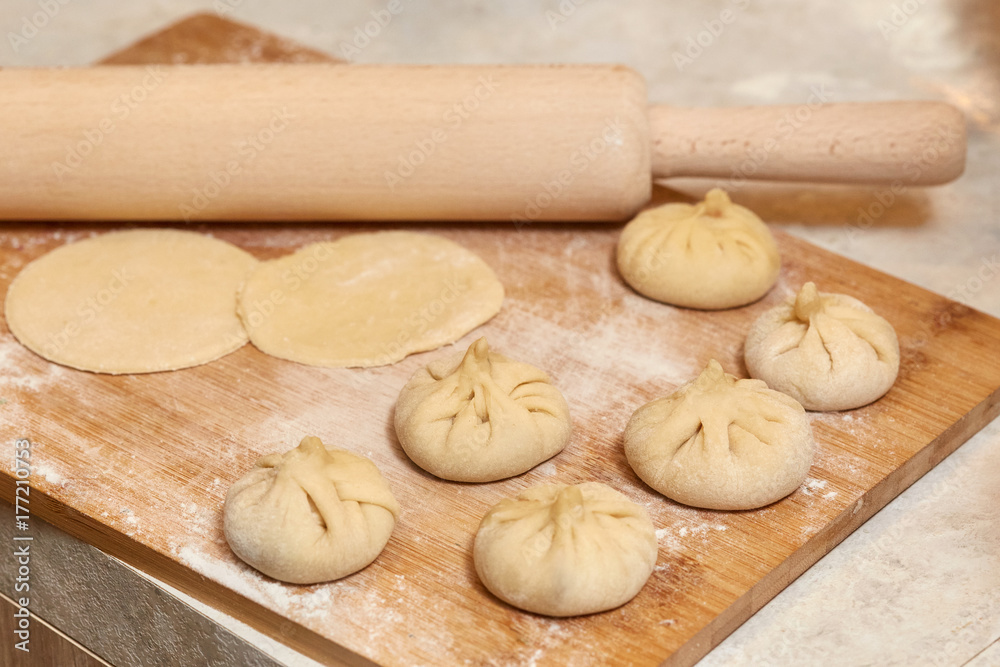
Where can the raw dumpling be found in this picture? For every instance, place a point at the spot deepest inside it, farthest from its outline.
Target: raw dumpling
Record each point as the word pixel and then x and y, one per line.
pixel 309 515
pixel 565 550
pixel 711 255
pixel 721 443
pixel 478 416
pixel 828 351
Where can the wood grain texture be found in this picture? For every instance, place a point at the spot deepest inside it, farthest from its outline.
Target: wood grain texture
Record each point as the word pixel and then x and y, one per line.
pixel 139 465
pixel 903 142
pixel 317 142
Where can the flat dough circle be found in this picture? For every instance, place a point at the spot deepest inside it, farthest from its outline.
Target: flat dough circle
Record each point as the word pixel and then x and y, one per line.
pixel 136 301
pixel 367 299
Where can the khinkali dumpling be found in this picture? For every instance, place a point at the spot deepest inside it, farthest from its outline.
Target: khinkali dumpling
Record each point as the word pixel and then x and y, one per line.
pixel 478 416
pixel 828 351
pixel 721 443
pixel 565 550
pixel 309 515
pixel 710 255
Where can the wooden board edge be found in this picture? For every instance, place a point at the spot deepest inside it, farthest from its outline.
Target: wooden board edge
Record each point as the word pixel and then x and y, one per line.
pixel 820 544
pixel 209 592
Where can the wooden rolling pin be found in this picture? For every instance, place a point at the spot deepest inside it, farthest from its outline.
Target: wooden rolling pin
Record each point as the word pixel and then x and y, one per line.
pixel 359 142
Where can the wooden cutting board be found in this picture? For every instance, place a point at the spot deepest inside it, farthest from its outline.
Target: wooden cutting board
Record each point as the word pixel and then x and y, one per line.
pixel 139 465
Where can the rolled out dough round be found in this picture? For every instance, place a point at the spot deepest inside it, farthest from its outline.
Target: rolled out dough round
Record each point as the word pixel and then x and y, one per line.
pixel 136 301
pixel 367 299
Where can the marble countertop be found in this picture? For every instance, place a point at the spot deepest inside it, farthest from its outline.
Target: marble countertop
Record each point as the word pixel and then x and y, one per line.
pixel 918 584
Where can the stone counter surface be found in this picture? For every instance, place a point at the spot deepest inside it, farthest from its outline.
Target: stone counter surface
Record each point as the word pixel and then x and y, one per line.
pixel 919 584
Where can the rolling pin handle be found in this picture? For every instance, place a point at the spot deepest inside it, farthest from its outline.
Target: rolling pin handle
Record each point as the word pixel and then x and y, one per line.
pixel 904 143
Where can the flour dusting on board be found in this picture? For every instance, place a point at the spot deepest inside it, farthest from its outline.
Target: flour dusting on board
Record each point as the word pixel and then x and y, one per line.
pixel 605 348
pixel 690 535
pixel 547 469
pixel 544 635
pixel 15 359
pixel 364 613
pixel 578 360
pixel 50 475
pixel 813 486
pixel 238 578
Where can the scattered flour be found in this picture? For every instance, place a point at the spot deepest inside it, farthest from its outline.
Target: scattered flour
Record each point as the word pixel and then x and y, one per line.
pixel 692 533
pixel 362 615
pixel 812 486
pixel 23 370
pixel 547 469
pixel 50 475
pixel 533 661
pixel 700 530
